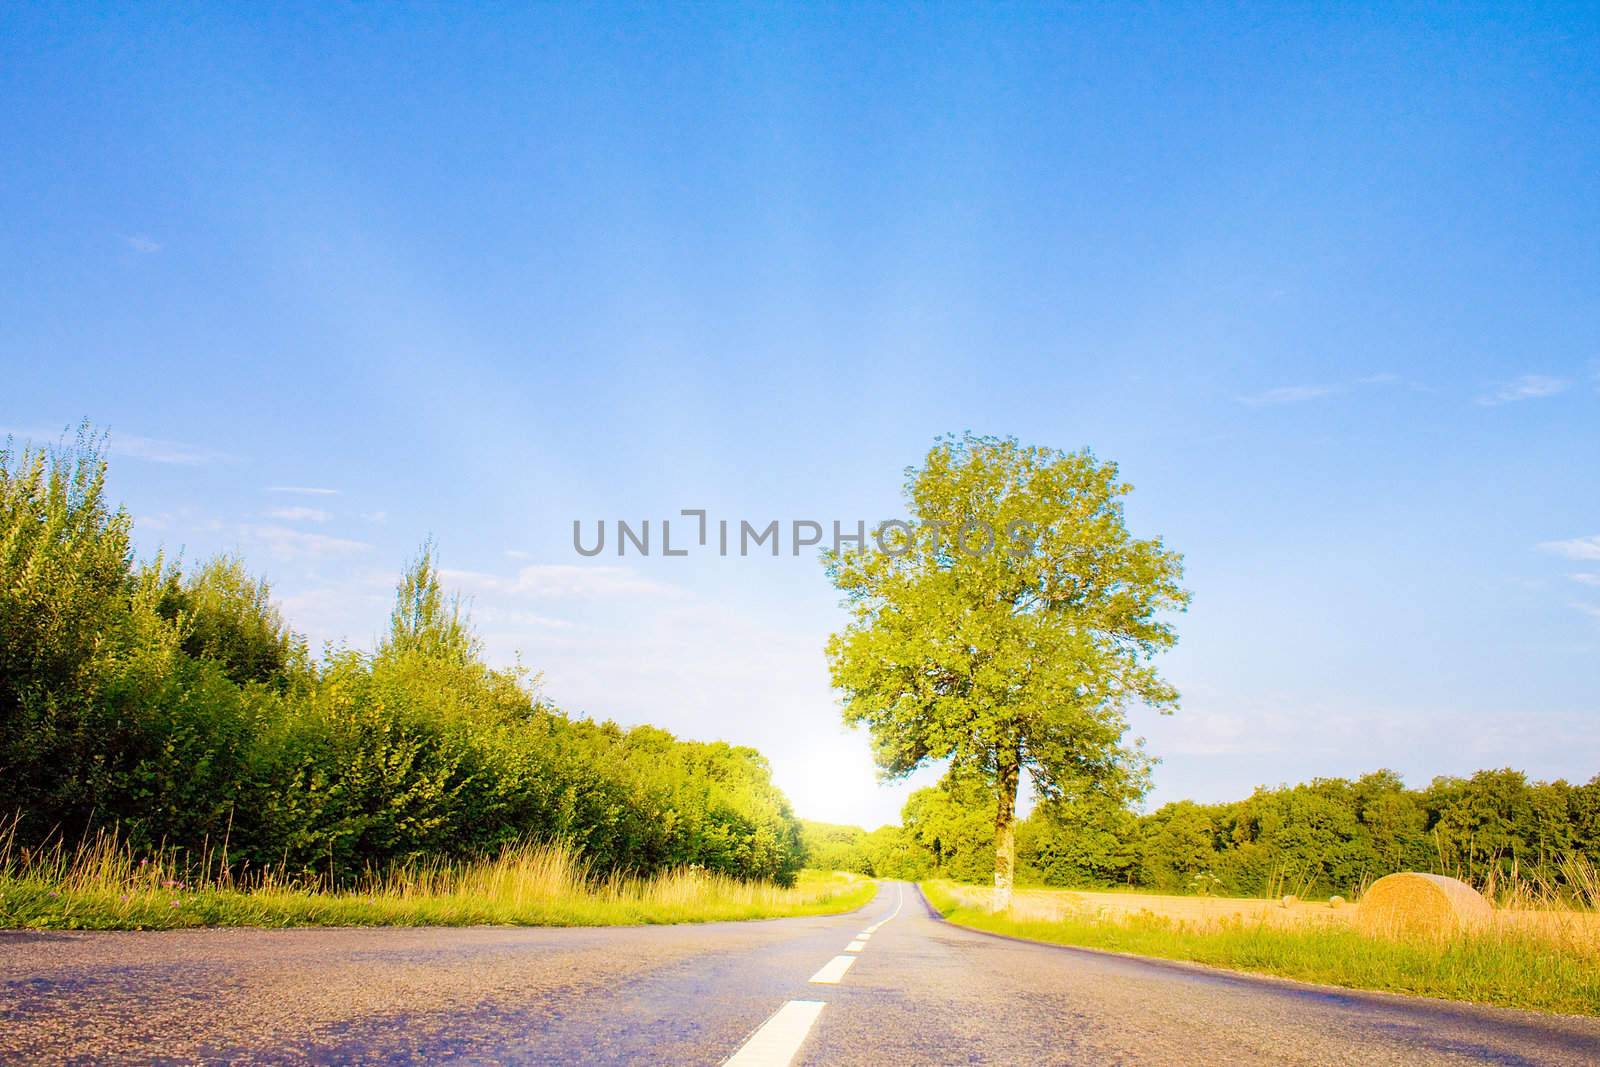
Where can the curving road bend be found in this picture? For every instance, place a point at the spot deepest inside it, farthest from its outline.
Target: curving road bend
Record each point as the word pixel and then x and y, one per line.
pixel 889 983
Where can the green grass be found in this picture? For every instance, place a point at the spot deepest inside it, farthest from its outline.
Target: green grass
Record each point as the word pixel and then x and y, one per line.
pixel 102 887
pixel 1506 968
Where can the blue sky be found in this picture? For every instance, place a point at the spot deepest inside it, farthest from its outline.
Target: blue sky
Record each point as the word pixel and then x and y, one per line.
pixel 1325 284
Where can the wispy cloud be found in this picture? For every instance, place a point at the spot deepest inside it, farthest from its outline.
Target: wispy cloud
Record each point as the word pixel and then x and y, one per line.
pixel 1527 387
pixel 1289 394
pixel 344 609
pixel 155 450
pixel 1592 610
pixel 132 446
pixel 492 616
pixel 300 514
pixel 1223 734
pixel 184 519
pixel 562 580
pixel 288 543
pixel 1575 548
pixel 379 517
pixel 1300 394
pixel 305 490
pixel 142 243
pixel 1586 578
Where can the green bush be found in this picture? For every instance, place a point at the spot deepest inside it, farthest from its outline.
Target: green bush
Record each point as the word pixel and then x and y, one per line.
pixel 181 709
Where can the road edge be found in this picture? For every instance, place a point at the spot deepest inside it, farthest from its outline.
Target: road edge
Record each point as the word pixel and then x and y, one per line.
pixel 1465 1007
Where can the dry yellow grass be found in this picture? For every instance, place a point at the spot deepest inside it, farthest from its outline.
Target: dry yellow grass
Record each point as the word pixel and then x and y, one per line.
pixel 101 884
pixel 1573 926
pixel 1051 905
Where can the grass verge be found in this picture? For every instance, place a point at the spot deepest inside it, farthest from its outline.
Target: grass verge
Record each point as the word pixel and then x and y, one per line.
pixel 102 887
pixel 1507 968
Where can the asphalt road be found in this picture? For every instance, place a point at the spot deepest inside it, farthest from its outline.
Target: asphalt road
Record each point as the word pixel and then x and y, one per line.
pixel 916 991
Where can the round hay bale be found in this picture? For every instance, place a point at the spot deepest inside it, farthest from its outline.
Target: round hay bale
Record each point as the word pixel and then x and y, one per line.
pixel 1429 905
pixel 1336 901
pixel 1289 901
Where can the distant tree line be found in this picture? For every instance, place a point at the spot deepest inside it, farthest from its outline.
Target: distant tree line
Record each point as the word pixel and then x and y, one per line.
pixel 177 707
pixel 1333 834
pixel 1330 835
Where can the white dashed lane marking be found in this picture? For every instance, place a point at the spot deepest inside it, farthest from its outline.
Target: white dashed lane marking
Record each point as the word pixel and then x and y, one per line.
pixel 776 1041
pixel 833 970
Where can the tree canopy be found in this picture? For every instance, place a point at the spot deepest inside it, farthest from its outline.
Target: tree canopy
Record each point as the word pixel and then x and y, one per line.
pixel 1009 629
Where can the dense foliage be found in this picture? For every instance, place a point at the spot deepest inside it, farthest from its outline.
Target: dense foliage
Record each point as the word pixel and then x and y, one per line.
pixel 882 853
pixel 1331 835
pixel 180 709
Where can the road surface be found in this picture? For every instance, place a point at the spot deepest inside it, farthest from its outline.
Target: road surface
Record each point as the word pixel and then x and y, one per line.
pixel 889 984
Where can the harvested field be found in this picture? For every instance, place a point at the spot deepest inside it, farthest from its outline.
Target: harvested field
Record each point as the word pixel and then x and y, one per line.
pixel 1578 930
pixel 1052 905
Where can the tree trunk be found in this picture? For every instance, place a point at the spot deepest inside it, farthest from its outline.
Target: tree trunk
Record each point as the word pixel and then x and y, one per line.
pixel 1005 830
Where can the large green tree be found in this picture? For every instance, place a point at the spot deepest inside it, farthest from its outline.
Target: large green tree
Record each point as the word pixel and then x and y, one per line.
pixel 1007 627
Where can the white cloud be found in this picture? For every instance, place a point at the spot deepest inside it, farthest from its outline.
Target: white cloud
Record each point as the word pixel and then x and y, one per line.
pixel 300 514
pixel 1586 578
pixel 375 516
pixel 1592 610
pixel 1289 394
pixel 1299 394
pixel 1575 548
pixel 142 243
pixel 517 553
pixel 561 580
pixel 132 446
pixel 287 543
pixel 514 617
pixel 1527 387
pixel 351 609
pixel 184 519
pixel 155 450
pixel 1203 733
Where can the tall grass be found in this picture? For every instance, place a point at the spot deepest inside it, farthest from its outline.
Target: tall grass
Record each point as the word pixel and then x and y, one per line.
pixel 1563 911
pixel 101 884
pixel 1542 952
